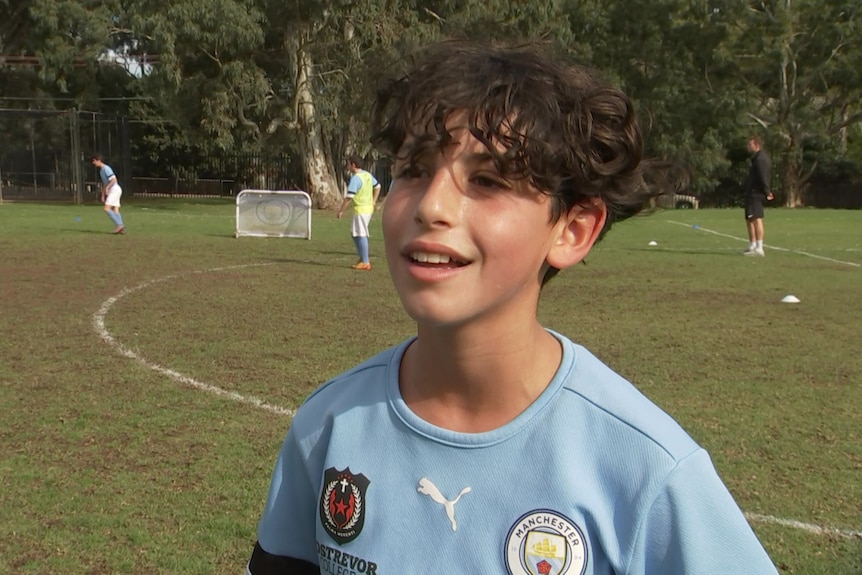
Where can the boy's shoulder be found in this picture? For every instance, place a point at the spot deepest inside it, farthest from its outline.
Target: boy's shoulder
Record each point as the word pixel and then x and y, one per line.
pixel 614 401
pixel 364 382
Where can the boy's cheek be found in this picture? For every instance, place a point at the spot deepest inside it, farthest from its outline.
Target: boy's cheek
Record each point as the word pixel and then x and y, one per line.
pixel 393 215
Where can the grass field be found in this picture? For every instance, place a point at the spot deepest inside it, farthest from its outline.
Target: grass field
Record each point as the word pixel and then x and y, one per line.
pixel 146 380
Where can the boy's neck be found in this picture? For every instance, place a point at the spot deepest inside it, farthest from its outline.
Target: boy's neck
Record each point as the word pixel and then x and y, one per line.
pixel 479 381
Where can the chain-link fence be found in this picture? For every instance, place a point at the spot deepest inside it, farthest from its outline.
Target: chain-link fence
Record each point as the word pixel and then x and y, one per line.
pixel 45 154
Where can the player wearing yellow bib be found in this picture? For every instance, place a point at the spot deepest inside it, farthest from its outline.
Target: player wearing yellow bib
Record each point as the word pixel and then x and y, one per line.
pixel 362 191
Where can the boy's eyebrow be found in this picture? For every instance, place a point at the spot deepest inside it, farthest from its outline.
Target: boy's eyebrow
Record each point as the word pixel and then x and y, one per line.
pixel 479 157
pixel 474 157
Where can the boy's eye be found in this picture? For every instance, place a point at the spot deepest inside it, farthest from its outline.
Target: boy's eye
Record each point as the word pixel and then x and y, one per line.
pixel 490 182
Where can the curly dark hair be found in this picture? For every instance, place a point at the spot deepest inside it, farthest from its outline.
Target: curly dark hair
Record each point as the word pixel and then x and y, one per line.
pixel 572 135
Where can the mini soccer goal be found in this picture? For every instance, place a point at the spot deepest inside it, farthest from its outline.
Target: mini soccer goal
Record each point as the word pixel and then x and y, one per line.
pixel 273 214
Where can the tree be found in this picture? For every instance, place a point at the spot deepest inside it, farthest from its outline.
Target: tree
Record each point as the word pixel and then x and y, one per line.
pixel 55 56
pixel 54 47
pixel 244 74
pixel 301 103
pixel 800 61
pixel 335 51
pixel 205 81
pixel 671 57
pixel 15 25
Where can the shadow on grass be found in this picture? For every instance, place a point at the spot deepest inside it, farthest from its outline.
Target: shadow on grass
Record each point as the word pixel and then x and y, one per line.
pixel 318 263
pixel 304 262
pixel 336 252
pixel 97 232
pixel 687 252
pixel 155 208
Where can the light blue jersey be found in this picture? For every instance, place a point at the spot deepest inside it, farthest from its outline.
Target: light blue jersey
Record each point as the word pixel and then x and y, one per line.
pixel 591 479
pixel 106 173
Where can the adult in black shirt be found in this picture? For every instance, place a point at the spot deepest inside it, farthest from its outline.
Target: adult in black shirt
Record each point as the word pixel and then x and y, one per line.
pixel 757 189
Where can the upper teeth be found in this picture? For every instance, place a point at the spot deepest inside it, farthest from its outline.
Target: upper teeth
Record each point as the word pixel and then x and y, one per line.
pixel 430 258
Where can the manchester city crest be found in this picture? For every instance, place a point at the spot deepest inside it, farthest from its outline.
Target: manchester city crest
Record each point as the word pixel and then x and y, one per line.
pixel 544 542
pixel 342 504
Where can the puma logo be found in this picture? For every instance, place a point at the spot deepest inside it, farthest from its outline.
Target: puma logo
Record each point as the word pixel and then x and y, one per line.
pixel 429 489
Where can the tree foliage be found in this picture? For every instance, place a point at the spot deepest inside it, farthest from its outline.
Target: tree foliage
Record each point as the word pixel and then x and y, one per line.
pixel 233 76
pixel 800 62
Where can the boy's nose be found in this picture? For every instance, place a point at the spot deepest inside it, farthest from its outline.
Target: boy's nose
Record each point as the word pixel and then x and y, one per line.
pixel 440 203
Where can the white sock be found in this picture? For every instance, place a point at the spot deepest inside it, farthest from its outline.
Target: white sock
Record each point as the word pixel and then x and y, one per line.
pixel 759 245
pixel 752 246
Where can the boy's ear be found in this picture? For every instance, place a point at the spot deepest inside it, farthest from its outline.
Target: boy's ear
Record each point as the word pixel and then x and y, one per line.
pixel 577 232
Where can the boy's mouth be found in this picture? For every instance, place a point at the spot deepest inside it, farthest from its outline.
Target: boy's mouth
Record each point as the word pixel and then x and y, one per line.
pixel 442 260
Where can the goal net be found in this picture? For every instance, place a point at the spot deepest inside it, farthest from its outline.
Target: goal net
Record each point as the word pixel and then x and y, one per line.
pixel 273 214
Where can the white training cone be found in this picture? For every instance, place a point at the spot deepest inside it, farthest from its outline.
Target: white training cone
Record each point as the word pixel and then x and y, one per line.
pixel 790 299
pixel 653 243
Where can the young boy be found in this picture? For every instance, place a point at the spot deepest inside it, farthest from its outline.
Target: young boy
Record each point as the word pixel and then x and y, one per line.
pixel 488 444
pixel 362 191
pixel 111 192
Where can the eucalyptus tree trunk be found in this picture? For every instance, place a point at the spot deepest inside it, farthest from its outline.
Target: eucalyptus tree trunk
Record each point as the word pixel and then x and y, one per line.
pixel 792 185
pixel 787 124
pixel 321 182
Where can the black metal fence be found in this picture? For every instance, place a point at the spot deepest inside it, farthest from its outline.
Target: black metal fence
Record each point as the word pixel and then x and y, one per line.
pixel 35 153
pixel 45 156
pixel 834 195
pixel 217 175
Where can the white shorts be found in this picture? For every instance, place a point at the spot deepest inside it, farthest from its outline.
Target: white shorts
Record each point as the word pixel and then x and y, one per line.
pixel 114 193
pixel 360 225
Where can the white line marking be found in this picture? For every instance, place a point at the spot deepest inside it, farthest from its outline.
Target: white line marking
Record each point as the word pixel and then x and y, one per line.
pixel 702 229
pixel 99 325
pixel 811 528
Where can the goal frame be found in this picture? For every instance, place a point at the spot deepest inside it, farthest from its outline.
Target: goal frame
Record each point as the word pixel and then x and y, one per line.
pixel 273 232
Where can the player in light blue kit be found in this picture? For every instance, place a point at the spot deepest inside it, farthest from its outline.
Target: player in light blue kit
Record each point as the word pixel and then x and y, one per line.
pixel 488 444
pixel 111 192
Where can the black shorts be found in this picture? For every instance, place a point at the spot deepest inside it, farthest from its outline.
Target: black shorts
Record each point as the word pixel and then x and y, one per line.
pixel 754 207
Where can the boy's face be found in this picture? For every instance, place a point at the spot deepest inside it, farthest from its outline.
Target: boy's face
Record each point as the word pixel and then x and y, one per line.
pixel 462 242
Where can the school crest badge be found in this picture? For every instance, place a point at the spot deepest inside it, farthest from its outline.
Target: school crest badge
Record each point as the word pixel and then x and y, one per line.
pixel 342 504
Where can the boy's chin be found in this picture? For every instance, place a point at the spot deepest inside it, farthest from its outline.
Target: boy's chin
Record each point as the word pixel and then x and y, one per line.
pixel 429 318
